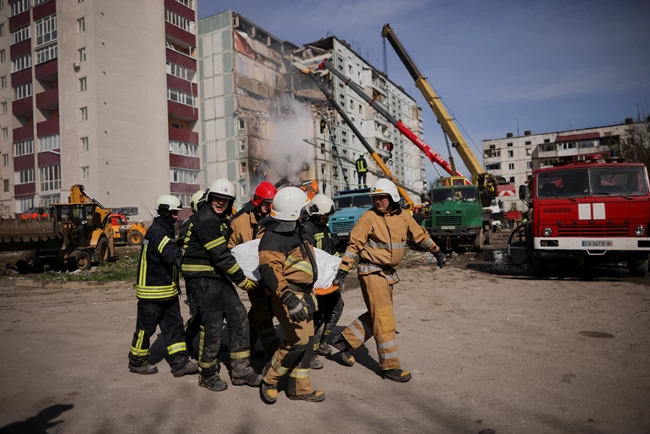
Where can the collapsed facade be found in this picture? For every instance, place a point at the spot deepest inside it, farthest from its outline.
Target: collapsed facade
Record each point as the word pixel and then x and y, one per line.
pixel 263 119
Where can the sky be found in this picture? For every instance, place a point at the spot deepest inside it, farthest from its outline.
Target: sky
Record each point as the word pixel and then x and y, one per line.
pixel 545 66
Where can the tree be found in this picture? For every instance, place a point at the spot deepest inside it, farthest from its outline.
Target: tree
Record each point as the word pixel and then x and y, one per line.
pixel 635 146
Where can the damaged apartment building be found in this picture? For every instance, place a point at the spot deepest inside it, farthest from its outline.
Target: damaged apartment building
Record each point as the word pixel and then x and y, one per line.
pixel 248 83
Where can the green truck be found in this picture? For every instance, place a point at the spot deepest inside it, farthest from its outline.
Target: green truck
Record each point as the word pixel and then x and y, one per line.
pixel 458 220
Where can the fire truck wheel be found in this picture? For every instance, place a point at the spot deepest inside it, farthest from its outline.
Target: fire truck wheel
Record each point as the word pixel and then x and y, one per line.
pixel 638 265
pixel 536 266
pixel 135 238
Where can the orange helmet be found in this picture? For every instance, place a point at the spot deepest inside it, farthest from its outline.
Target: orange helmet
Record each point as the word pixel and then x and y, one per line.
pixel 264 191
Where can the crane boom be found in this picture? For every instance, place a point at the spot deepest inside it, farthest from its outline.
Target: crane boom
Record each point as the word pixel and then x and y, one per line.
pixel 479 177
pixel 409 202
pixel 433 156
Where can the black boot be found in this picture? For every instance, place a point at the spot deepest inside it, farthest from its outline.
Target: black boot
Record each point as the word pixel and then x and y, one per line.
pixel 268 393
pixel 397 375
pixel 344 350
pixel 188 368
pixel 144 368
pixel 243 374
pixel 324 349
pixel 315 363
pixel 213 383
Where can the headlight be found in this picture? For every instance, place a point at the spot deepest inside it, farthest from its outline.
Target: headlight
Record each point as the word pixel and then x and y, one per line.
pixel 639 231
pixel 547 232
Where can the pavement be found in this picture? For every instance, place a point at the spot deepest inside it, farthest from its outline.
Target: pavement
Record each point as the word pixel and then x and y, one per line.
pixel 491 351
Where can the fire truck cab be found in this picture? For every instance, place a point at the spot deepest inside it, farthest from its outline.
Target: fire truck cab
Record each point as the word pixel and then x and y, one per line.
pixel 594 210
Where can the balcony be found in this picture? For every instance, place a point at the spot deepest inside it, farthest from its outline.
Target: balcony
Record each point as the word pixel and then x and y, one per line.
pixel 182 111
pixel 180 9
pixel 47 71
pixel 180 36
pixel 48 100
pixel 18 21
pixel 21 48
pixel 44 9
pixel 24 189
pixel 23 133
pixel 49 158
pixel 184 162
pixel 177 187
pixel 23 106
pixel 174 82
pixel 24 162
pixel 21 77
pixel 492 153
pixel 181 59
pixel 186 136
pixel 47 128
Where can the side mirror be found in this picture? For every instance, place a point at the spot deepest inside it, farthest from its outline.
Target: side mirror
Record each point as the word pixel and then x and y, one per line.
pixel 523 193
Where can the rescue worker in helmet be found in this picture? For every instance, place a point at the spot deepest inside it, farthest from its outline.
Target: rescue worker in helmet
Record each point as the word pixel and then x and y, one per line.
pixel 209 268
pixel 378 241
pixel 362 170
pixel 288 269
pixel 157 290
pixel 330 303
pixel 246 227
pixel 192 325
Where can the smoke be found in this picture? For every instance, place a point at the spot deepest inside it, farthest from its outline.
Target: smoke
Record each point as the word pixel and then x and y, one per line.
pixel 286 152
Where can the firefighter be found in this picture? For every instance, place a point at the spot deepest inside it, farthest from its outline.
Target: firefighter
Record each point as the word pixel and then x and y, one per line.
pixel 192 326
pixel 209 268
pixel 330 303
pixel 378 241
pixel 362 170
pixel 288 269
pixel 245 228
pixel 157 290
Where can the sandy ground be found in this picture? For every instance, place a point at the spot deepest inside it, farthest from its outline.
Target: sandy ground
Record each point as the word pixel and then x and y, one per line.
pixel 489 349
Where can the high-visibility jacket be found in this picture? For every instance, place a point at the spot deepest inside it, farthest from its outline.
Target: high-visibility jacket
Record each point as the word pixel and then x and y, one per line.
pixel 378 240
pixel 245 228
pixel 287 261
pixel 157 277
pixel 205 248
pixel 319 236
pixel 362 165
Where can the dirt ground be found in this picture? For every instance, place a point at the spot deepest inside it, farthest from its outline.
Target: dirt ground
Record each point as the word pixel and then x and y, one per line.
pixel 490 349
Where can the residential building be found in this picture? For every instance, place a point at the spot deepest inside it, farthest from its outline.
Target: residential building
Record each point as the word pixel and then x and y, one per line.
pixel 515 157
pixel 249 90
pixel 104 95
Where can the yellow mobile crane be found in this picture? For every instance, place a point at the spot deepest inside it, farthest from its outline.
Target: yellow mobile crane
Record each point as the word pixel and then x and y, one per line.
pixel 487 183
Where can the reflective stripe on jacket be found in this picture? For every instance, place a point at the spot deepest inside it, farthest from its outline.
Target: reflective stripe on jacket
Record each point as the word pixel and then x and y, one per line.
pixel 320 236
pixel 362 166
pixel 157 277
pixel 380 239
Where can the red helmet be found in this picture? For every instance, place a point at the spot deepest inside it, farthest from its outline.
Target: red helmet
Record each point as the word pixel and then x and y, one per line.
pixel 264 191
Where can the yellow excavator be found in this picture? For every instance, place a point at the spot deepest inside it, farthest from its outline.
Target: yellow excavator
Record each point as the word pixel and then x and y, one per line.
pixel 486 182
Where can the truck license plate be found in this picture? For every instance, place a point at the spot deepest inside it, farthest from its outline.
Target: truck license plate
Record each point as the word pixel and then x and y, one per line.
pixel 447 228
pixel 597 244
pixel 343 234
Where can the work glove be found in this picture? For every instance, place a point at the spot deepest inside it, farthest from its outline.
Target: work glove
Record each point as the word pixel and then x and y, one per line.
pixel 297 311
pixel 248 284
pixel 339 280
pixel 440 257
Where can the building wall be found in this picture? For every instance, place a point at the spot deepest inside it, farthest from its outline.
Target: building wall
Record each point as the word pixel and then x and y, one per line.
pixel 6 120
pixel 127 161
pixel 516 157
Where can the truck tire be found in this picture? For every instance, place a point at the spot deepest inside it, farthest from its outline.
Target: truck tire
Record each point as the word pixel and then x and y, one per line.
pixel 135 238
pixel 478 241
pixel 638 265
pixel 84 260
pixel 103 252
pixel 536 266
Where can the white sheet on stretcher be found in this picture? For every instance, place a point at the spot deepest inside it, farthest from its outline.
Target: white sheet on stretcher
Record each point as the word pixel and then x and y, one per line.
pixel 248 259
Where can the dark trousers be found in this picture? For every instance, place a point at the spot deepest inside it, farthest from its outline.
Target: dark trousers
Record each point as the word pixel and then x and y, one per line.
pixel 362 179
pixel 193 325
pixel 167 315
pixel 330 309
pixel 260 318
pixel 218 299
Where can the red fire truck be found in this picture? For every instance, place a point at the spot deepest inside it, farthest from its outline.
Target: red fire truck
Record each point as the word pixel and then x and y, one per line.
pixel 593 210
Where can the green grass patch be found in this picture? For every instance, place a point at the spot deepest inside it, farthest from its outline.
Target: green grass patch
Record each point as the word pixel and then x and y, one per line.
pixel 125 268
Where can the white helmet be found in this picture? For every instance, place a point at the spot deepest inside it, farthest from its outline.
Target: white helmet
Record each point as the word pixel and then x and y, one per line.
pixel 198 199
pixel 321 205
pixel 167 202
pixel 385 186
pixel 222 187
pixel 288 203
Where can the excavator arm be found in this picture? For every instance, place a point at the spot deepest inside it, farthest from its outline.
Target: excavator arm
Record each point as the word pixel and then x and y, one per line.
pixel 409 202
pixel 483 180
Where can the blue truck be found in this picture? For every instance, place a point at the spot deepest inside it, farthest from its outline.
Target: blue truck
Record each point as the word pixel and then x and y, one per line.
pixel 349 204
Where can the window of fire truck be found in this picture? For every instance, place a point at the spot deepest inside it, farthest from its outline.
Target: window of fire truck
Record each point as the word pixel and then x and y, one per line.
pixel 615 181
pixel 563 184
pixel 363 201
